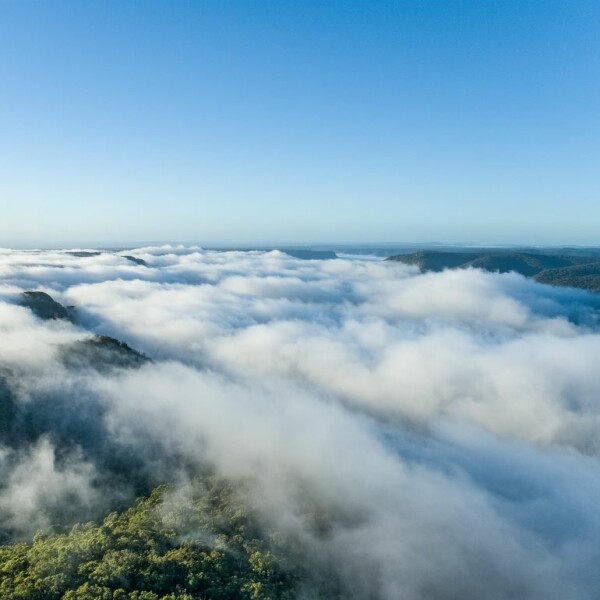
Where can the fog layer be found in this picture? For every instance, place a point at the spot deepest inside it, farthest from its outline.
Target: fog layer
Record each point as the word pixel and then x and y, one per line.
pixel 447 423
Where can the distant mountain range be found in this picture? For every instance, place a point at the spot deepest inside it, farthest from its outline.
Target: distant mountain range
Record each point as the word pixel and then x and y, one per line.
pixel 576 269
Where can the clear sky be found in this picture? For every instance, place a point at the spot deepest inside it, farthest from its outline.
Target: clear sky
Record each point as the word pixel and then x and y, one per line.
pixel 268 122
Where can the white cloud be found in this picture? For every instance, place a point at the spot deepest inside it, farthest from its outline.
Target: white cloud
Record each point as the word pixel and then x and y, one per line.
pixel 449 419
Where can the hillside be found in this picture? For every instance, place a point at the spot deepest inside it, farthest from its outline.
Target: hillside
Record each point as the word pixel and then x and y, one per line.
pixel 45 307
pixel 568 270
pixel 101 352
pixel 153 551
pixel 586 277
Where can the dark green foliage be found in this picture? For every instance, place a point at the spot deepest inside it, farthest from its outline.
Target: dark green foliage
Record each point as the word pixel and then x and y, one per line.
pixel 163 548
pixel 586 277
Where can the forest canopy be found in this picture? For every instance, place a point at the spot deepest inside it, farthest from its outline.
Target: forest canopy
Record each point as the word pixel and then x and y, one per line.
pixel 168 546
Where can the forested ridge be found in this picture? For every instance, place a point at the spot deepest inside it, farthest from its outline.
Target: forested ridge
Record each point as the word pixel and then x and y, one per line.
pixel 166 547
pixel 198 541
pixel 560 267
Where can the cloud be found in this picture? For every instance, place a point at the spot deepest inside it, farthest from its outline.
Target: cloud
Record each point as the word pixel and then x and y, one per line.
pixel 447 422
pixel 414 526
pixel 493 349
pixel 39 491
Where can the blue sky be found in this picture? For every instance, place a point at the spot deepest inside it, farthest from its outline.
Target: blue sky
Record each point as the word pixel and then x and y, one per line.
pixel 286 122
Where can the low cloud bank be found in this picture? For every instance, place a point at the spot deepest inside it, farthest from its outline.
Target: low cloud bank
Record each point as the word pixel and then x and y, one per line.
pixel 446 422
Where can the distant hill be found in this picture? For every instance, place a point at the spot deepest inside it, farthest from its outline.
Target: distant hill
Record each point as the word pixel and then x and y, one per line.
pixel 83 253
pixel 301 253
pixel 570 270
pixel 586 277
pixel 45 307
pixel 102 353
pixel 526 264
pixel 308 254
pixel 135 260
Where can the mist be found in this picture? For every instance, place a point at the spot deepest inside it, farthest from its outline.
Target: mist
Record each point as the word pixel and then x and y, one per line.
pixel 446 422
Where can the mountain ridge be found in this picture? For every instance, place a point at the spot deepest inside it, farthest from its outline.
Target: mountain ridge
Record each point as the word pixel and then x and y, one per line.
pixel 565 270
